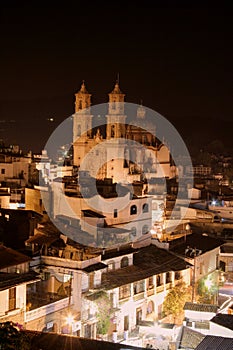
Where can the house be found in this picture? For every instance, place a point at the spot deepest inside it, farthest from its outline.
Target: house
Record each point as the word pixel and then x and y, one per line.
pixel 137 283
pixel 64 266
pixel 202 252
pixel 114 217
pixel 132 282
pixel 226 258
pixel 15 276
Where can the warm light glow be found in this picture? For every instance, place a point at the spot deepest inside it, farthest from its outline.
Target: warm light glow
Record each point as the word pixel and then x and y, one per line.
pixel 70 319
pixel 208 283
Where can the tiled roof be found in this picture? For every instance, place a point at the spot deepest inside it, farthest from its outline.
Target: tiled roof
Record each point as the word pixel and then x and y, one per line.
pixel 201 307
pixel 41 238
pixel 223 320
pixel 8 280
pixel 95 267
pixel 51 341
pixel 10 257
pixel 113 253
pixel 210 342
pixel 190 338
pixel 148 261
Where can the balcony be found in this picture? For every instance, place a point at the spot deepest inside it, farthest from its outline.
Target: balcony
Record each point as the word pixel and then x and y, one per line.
pixel 36 300
pixel 46 309
pixel 124 300
pixel 160 288
pixel 138 296
pixel 150 291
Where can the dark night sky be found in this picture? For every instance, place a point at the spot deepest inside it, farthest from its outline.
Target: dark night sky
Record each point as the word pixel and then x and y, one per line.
pixel 176 58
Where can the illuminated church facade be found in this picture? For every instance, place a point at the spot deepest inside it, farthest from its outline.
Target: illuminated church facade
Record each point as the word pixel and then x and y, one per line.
pixel 124 151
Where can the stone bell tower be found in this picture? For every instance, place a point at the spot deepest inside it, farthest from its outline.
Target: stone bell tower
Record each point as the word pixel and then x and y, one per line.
pixel 82 124
pixel 115 133
pixel 116 117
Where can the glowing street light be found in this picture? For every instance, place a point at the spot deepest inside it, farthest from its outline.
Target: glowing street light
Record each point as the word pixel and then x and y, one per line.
pixel 208 283
pixel 69 319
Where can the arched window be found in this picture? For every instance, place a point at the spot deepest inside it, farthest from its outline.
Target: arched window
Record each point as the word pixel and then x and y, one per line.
pixel 150 307
pixel 145 208
pixel 133 209
pixel 124 262
pixel 133 231
pixel 145 229
pixel 79 130
pixel 158 280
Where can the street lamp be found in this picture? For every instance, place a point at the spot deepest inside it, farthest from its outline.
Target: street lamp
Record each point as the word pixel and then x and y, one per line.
pixel 69 322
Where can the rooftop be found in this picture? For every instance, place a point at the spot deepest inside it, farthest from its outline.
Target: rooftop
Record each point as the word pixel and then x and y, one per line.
pixel 211 342
pixel 201 307
pixel 196 241
pixel 51 341
pixel 8 280
pixel 10 257
pixel 147 261
pixel 227 248
pixel 223 320
pixel 95 267
pixel 190 339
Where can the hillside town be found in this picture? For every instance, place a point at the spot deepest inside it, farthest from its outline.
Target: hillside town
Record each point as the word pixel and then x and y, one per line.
pixel 115 243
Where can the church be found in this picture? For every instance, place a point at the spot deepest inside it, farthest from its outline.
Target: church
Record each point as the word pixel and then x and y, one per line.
pixel 120 149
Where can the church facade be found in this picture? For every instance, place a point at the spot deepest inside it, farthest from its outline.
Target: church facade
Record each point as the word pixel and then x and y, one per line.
pixel 124 151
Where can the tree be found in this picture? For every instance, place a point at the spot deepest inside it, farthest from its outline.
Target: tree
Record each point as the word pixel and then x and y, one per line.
pixel 208 289
pixel 104 312
pixel 175 300
pixel 12 338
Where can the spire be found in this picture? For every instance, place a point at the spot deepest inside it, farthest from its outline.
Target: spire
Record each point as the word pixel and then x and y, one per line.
pixel 116 89
pixel 82 98
pixel 116 100
pixel 83 89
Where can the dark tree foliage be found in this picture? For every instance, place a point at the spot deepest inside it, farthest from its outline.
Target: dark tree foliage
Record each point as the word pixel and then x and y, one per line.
pixel 12 338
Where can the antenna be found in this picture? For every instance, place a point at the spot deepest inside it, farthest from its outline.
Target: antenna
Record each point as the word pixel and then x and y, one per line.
pixel 118 78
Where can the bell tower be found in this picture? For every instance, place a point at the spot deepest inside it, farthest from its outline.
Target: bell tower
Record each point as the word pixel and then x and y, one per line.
pixel 82 99
pixel 116 117
pixel 82 124
pixel 115 134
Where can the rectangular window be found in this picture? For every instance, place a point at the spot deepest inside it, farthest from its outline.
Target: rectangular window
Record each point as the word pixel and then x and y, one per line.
pixel 138 287
pixel 150 283
pixel 12 299
pixel 124 291
pixel 115 213
pixel 2 171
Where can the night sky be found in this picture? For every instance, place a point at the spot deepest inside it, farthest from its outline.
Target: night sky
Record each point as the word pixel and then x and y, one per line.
pixel 177 58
